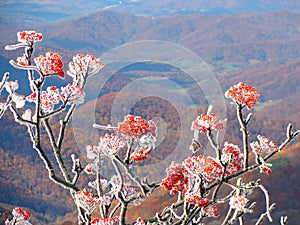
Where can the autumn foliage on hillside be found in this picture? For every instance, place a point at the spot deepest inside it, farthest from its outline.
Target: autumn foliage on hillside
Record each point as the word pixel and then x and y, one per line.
pixel 203 184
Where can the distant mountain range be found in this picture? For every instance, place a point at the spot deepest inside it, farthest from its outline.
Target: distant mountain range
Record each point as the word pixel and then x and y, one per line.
pixel 246 46
pixel 243 38
pixel 39 12
pixel 261 49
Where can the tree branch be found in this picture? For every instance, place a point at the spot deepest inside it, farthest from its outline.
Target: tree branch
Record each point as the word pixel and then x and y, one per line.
pixel 57 151
pixel 243 125
pixel 264 215
pixel 4 79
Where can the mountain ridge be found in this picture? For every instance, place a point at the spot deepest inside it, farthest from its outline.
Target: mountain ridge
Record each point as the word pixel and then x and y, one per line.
pixel 36 12
pixel 239 37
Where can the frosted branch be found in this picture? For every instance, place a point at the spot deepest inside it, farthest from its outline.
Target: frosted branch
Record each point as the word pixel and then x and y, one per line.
pixel 108 127
pixel 16 46
pixel 266 193
pixel 57 151
pixel 264 215
pixel 283 220
pixel 4 79
pixel 14 64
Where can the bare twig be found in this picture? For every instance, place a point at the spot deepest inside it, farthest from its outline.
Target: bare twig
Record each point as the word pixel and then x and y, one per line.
pixel 214 144
pixel 4 79
pixel 243 125
pixel 283 220
pixel 264 215
pixel 268 212
pixel 115 209
pixel 289 137
pixel 136 179
pixel 57 152
pixel 63 124
pixel 119 194
pixel 108 127
pixel 228 216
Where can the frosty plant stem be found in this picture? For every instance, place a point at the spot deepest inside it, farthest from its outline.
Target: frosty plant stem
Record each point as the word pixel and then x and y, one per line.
pixel 197 180
pixel 244 131
pixel 50 101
